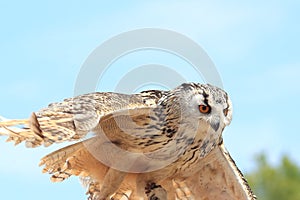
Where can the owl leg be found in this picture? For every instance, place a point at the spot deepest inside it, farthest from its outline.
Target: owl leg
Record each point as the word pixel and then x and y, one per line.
pixel 111 183
pixel 155 192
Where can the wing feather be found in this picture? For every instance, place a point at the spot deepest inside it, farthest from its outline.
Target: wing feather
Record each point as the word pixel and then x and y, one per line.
pixel 73 118
pixel 219 178
pixel 124 120
pixel 76 160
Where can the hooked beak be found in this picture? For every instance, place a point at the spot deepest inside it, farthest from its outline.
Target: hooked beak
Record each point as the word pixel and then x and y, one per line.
pixel 215 122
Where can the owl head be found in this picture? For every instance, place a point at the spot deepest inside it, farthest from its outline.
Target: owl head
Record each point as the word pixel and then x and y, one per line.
pixel 204 102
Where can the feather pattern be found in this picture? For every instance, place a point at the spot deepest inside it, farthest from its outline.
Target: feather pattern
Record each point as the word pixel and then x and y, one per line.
pixel 151 145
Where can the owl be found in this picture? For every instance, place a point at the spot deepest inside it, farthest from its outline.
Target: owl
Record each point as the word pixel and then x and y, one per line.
pixel 155 145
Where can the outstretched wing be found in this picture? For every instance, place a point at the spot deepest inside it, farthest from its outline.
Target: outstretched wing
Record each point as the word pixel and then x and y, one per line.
pixel 73 118
pixel 77 160
pixel 218 178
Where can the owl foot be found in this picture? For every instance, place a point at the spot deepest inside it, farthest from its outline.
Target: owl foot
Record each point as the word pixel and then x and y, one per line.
pixel 155 192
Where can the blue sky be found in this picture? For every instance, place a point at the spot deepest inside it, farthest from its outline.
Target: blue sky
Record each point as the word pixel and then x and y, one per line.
pixel 254 45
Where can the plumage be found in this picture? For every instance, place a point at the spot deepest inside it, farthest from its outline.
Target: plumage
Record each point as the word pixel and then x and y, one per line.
pixel 151 145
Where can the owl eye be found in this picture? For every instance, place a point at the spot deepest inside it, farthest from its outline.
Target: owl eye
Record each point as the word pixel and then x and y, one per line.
pixel 204 109
pixel 225 111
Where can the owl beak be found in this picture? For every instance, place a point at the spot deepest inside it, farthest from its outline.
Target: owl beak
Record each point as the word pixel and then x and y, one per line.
pixel 215 123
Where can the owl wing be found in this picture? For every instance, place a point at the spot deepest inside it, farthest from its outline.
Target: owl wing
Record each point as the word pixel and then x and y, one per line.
pixel 71 160
pixel 73 118
pixel 218 178
pixel 77 160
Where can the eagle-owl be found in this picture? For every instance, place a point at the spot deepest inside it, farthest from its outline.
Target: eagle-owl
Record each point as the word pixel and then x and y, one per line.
pixel 156 145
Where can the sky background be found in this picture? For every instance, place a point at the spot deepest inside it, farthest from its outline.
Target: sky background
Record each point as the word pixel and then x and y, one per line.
pixel 254 45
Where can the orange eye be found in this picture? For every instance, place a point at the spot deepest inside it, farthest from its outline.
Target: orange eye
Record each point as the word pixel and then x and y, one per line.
pixel 225 111
pixel 204 109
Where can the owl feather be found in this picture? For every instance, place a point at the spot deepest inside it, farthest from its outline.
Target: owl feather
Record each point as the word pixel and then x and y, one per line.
pixel 151 145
